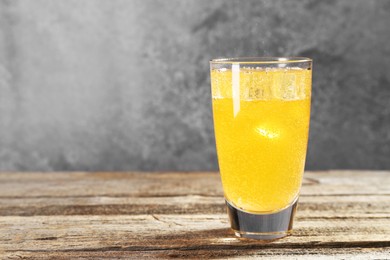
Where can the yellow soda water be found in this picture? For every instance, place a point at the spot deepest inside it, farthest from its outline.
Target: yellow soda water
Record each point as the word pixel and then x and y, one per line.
pixel 261 121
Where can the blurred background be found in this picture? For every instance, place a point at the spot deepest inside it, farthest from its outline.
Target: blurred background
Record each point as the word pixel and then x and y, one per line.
pixel 124 85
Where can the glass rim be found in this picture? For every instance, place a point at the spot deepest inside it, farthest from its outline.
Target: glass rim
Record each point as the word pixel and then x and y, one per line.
pixel 261 60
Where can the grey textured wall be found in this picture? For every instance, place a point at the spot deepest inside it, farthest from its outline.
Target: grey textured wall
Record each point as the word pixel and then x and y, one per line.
pixel 124 85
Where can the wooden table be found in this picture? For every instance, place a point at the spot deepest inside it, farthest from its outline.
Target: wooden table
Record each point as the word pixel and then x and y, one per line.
pixel 342 214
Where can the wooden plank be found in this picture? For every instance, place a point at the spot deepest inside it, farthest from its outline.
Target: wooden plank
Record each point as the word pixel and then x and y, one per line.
pixel 309 206
pixel 342 214
pixel 176 231
pixel 226 253
pixel 180 233
pixel 241 253
pixel 197 193
pixel 81 184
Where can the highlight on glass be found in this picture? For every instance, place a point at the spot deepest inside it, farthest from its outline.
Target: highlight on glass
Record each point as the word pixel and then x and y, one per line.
pixel 261 110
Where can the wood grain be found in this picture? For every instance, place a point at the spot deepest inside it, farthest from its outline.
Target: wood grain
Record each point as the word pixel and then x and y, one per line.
pixel 342 214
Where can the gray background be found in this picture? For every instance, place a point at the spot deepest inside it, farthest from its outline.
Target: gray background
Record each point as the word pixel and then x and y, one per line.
pixel 124 85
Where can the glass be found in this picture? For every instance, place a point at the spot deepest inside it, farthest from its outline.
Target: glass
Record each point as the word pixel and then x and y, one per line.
pixel 261 109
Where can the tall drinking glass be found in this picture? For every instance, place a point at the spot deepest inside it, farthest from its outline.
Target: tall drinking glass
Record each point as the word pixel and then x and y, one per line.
pixel 261 109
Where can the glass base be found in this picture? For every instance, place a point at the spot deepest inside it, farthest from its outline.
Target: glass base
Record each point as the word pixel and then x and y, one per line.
pixel 262 226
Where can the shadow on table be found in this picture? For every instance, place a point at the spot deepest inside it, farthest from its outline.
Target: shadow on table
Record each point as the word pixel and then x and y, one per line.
pixel 213 243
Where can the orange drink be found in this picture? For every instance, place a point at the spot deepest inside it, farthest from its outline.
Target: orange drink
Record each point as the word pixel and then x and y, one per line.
pixel 261 121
